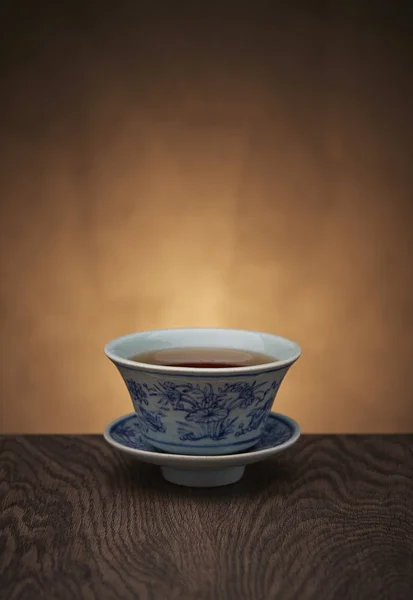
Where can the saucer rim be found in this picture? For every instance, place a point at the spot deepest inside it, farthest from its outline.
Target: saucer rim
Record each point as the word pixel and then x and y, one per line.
pixel 203 460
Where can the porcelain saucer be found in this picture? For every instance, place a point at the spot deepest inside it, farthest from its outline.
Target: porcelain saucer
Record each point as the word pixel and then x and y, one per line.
pixel 125 434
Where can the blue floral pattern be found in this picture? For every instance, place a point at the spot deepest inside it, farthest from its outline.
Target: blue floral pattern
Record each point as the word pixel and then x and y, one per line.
pixel 128 432
pixel 204 411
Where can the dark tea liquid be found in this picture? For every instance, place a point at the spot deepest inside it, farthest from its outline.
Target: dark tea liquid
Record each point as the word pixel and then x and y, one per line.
pixel 203 358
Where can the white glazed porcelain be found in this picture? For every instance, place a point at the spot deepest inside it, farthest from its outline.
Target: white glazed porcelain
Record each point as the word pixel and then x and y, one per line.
pixel 125 434
pixel 202 411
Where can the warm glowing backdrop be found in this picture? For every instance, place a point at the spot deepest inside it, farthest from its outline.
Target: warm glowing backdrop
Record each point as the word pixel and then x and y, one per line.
pixel 206 167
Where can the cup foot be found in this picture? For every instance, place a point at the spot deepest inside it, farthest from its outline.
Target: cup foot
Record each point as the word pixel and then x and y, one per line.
pixel 204 478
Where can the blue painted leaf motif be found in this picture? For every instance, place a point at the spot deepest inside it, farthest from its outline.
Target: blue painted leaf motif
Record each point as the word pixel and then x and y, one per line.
pixel 169 395
pixel 274 434
pixel 180 397
pixel 194 395
pixel 206 411
pixel 258 415
pixel 226 427
pixel 239 395
pixel 152 420
pixel 137 392
pixel 260 410
pixel 207 415
pixel 128 433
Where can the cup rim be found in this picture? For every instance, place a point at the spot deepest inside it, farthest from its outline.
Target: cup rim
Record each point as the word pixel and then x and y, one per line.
pixel 218 371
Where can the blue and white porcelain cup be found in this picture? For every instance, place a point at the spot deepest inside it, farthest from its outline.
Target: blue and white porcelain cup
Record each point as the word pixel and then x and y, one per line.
pixel 202 411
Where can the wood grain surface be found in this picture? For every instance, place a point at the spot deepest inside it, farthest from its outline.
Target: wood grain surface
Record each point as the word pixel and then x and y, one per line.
pixel 330 519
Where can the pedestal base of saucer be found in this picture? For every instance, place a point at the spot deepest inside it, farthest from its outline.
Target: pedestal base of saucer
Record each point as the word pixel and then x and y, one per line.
pixel 205 478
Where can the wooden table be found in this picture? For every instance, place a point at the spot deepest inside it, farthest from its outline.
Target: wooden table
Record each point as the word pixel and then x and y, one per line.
pixel 330 519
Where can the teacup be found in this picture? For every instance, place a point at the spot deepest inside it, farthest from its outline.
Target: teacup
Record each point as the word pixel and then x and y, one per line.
pixel 202 411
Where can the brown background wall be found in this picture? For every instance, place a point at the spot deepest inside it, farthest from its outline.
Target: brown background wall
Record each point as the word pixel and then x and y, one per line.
pixel 241 167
